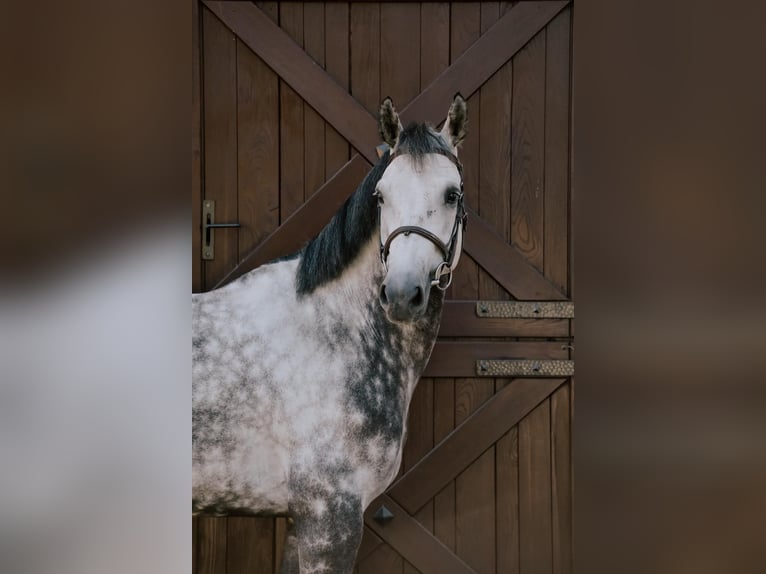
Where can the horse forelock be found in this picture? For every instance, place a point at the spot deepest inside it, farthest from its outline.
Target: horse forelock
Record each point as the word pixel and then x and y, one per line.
pixel 419 140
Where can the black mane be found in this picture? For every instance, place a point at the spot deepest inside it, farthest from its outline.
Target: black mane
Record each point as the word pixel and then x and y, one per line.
pixel 337 245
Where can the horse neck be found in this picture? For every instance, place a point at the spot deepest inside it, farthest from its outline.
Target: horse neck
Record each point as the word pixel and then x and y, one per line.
pixel 409 344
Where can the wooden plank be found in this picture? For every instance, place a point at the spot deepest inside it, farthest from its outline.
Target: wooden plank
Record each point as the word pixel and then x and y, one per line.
pixel 365 70
pixel 420 441
pixel 475 513
pixel 370 542
pixel 337 66
pixel 280 534
pixel 414 542
pixel 506 263
pixel 557 95
pixel 507 502
pixel 474 487
pixel 483 58
pixel 291 121
pixel 495 169
pixel 561 480
pixel 444 423
pixel 195 524
pixel 196 120
pixel 529 150
pixel 460 320
pixel 300 72
pixel 271 9
pixel 314 124
pixel 458 358
pixel 465 30
pixel 469 440
pixel 494 134
pixel 257 149
pixel 400 68
pixel 211 545
pixel 250 544
pixel 220 150
pixel 384 560
pixel 434 40
pixel 535 537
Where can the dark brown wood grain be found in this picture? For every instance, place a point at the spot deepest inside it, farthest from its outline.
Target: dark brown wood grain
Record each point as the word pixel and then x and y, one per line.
pixel 220 147
pixel 458 358
pixel 556 241
pixel 337 66
pixel 370 541
pixel 528 129
pixel 506 263
pixel 460 320
pixel 195 530
pixel 291 117
pixel 535 491
pixel 413 541
pixel 483 58
pixel 196 143
pixel 469 440
pixel 250 545
pixel 444 423
pixel 507 501
pixel 464 32
pixel 298 70
pixel 561 480
pixel 257 149
pixel 211 545
pixel 400 63
pixel 365 67
pixel 313 123
pixel 475 486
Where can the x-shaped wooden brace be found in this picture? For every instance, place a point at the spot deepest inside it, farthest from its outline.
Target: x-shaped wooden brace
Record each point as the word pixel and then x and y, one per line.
pixel 466 75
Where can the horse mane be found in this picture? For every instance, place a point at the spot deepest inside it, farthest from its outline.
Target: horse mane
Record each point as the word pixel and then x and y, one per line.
pixel 327 255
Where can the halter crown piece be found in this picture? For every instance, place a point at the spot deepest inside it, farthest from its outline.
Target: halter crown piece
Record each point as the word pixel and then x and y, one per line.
pixel 443 273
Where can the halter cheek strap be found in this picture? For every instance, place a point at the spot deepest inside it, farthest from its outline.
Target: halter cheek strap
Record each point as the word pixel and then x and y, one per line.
pixel 443 273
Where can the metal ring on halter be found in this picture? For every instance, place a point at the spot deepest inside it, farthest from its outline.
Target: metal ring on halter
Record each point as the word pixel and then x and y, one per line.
pixel 439 274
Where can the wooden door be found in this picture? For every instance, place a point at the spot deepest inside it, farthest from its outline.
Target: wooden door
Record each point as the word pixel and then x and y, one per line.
pixel 284 98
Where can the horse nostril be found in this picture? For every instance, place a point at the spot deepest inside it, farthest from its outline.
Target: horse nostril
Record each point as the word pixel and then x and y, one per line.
pixel 417 299
pixel 383 297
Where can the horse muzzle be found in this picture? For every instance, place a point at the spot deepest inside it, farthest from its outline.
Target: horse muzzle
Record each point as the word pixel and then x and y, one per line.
pixel 404 300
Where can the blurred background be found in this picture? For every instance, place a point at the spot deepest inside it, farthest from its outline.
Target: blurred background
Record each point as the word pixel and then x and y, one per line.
pixel 670 396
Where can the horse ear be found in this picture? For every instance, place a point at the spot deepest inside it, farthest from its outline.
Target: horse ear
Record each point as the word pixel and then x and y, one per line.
pixel 454 129
pixel 389 125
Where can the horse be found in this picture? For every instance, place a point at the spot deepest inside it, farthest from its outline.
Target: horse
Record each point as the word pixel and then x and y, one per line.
pixel 303 369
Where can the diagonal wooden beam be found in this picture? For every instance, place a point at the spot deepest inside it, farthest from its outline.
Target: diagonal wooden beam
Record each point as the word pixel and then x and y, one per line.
pixel 416 544
pixel 482 59
pixel 506 263
pixel 468 441
pixel 302 73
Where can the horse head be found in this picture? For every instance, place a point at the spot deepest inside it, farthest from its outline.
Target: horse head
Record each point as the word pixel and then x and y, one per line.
pixel 420 210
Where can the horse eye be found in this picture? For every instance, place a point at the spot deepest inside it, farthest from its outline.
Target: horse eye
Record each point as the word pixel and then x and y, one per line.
pixel 453 196
pixel 378 195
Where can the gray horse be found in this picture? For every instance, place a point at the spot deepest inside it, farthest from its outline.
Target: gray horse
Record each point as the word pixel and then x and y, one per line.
pixel 304 368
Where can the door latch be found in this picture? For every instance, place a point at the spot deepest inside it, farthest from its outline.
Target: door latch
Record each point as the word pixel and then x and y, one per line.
pixel 208 227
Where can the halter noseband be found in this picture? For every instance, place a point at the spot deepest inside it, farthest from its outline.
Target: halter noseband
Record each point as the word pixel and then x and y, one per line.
pixel 443 273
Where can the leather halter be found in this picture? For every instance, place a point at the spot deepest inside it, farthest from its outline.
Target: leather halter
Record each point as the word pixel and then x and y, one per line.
pixel 443 273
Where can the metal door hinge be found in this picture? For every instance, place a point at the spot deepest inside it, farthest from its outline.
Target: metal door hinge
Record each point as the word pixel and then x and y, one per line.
pixel 525 309
pixel 524 368
pixel 208 227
